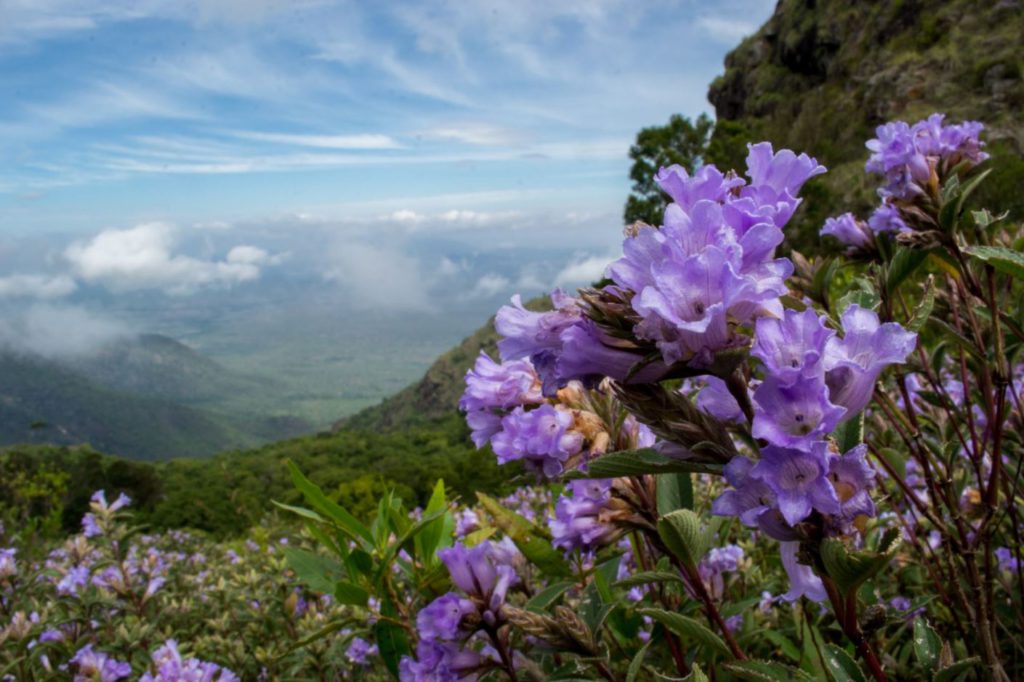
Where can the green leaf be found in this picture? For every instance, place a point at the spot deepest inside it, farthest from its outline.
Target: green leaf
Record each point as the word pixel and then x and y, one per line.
pixel 696 675
pixel 851 569
pixel 532 541
pixel 924 308
pixel 348 593
pixel 317 572
pixel 927 644
pixel 850 433
pixel 546 597
pixel 841 666
pixel 674 491
pixel 593 608
pixel 641 462
pixel 784 643
pixel 299 511
pixel 323 632
pixel 637 663
pixel 430 538
pixel 952 672
pixel 329 509
pixel 410 533
pixel 392 641
pixel 766 671
pixel 902 266
pixel 1006 261
pixel 682 533
pixel 648 577
pixel 689 630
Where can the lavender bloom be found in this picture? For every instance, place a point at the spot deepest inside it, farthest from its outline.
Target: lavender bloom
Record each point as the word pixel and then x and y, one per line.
pixel 440 619
pixel 887 218
pixel 849 231
pixel 791 416
pixel 359 651
pixel 852 477
pixel 171 667
pixel 802 580
pixel 475 572
pixel 716 400
pixel 854 362
pixel 536 336
pixel 792 347
pixel 90 526
pixel 76 578
pixel 490 385
pixel 579 521
pixel 91 666
pixel 8 566
pixel 483 424
pixel 466 521
pixel 749 499
pixel 907 155
pixel 707 183
pixel 1008 562
pixel 716 562
pixel 99 502
pixel 438 662
pixel 799 479
pixel 542 437
pixel 589 355
pixel 783 171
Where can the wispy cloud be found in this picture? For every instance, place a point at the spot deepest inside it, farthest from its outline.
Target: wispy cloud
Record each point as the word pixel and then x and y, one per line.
pixel 368 141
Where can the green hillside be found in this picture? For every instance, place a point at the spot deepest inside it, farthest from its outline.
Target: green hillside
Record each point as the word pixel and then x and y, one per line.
pixel 140 399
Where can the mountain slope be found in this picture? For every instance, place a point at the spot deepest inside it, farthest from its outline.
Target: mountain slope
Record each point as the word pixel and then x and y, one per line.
pixel 44 402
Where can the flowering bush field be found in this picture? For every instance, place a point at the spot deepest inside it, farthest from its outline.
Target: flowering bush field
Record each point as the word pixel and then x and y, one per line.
pixel 740 466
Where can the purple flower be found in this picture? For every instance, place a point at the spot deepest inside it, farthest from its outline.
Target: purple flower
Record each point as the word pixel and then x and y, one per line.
pixel 359 651
pixel 783 171
pixel 93 666
pixel 792 347
pixel 483 424
pixel 172 667
pixel 854 362
pixel 490 385
pixel 578 522
pixel 792 416
pixel 475 572
pixel 76 578
pixel 749 499
pixel 542 437
pixel 99 502
pixel 536 336
pixel 802 580
pixel 589 355
pixel 466 521
pixel 887 218
pixel 716 400
pixel 849 231
pixel 440 619
pixel 799 479
pixel 716 562
pixel 90 526
pixel 8 566
pixel 707 183
pixel 1008 562
pixel 852 477
pixel 439 662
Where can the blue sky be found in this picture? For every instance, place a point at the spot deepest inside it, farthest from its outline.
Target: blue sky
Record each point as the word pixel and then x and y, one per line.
pixel 125 111
pixel 473 146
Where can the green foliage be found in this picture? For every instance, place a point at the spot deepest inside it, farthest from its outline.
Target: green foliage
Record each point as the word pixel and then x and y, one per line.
pixel 681 142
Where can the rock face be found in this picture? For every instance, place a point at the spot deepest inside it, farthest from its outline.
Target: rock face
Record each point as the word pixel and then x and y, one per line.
pixel 820 75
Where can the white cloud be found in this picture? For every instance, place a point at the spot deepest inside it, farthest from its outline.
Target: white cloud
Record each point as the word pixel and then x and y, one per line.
pixel 378 278
pixel 142 258
pixel 368 141
pixel 36 286
pixel 482 134
pixel 58 331
pixel 582 271
pixel 488 286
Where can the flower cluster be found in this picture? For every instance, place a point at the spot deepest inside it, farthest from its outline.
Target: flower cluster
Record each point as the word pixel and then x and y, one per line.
pixel 449 625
